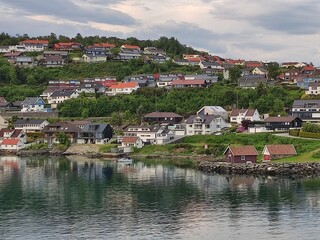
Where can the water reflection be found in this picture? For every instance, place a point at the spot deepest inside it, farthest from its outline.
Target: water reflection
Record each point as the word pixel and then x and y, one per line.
pixel 60 198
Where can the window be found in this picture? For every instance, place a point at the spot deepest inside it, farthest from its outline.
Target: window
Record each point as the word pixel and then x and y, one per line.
pixel 243 158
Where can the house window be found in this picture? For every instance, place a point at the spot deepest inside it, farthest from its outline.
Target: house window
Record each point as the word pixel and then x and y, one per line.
pixel 234 119
pixel 190 125
pixel 243 158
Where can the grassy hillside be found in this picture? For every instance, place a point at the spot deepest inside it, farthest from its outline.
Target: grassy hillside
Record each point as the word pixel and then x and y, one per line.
pixel 194 145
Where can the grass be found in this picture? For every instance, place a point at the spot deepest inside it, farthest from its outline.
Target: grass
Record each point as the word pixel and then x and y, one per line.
pixel 106 148
pixel 308 150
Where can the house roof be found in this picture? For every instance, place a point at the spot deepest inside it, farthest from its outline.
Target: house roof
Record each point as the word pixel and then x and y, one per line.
pixel 3 100
pixel 54 58
pixel 125 85
pixel 306 103
pixel 62 93
pixel 253 64
pixel 243 150
pixel 35 41
pixel 247 112
pixel 61 127
pixel 130 46
pixel 280 119
pixel 281 149
pixel 162 114
pixel 10 141
pixel 308 68
pixel 15 132
pixel 206 119
pixel 29 121
pixel 31 100
pixel 189 82
pixel 91 127
pixel 130 139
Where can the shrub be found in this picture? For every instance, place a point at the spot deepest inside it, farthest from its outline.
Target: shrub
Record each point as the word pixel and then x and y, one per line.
pixel 309 135
pixel 294 132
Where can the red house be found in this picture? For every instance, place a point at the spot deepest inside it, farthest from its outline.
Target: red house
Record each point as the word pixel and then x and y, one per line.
pixel 271 152
pixel 241 154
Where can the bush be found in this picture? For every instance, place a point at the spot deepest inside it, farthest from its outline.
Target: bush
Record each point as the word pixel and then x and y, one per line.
pixel 309 135
pixel 294 132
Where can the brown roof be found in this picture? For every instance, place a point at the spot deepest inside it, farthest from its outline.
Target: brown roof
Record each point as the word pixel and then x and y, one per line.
pixel 280 119
pixel 248 112
pixel 243 150
pixel 162 114
pixel 130 139
pixel 3 100
pixel 281 149
pixel 189 82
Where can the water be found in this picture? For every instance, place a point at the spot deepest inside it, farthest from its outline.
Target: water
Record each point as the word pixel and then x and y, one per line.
pixel 86 199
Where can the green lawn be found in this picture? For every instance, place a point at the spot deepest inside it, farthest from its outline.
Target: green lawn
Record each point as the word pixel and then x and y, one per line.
pixel 194 145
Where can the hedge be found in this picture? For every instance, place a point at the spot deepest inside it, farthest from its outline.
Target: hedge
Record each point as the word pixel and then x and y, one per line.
pixel 309 135
pixel 294 132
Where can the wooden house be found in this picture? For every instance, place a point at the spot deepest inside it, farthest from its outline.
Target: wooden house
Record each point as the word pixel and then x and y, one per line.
pixel 241 154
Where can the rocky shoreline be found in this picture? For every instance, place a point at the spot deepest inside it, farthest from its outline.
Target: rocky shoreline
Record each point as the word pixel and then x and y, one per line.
pixel 262 169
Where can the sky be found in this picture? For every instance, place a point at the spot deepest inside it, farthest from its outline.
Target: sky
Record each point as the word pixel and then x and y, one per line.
pixel 266 30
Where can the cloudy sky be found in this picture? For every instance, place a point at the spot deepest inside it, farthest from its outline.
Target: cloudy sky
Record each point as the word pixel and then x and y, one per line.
pixel 268 30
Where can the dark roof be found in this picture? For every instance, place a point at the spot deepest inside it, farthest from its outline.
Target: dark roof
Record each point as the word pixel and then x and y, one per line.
pixel 243 150
pixel 61 127
pixel 62 93
pixel 95 85
pixel 95 127
pixel 247 112
pixel 31 100
pixel 281 149
pixel 280 119
pixel 29 121
pixel 306 103
pixel 252 80
pixel 162 115
pixel 54 58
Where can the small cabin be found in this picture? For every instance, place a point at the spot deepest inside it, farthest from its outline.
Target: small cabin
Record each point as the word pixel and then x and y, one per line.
pixel 271 152
pixel 241 154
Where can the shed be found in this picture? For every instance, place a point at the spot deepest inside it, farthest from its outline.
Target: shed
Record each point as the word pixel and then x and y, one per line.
pixel 271 152
pixel 241 154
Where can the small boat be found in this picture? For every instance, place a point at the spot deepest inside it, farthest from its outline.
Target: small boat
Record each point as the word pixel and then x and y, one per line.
pixel 124 160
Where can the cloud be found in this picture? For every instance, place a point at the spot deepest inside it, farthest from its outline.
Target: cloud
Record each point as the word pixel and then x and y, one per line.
pixel 79 11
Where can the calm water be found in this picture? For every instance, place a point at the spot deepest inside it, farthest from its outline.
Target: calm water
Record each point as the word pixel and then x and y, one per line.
pixel 78 199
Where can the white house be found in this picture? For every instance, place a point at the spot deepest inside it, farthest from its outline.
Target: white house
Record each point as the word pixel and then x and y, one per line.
pixel 30 125
pixel 204 124
pixel 132 142
pixel 213 110
pixel 156 134
pixel 238 115
pixel 33 45
pixel 313 89
pixel 60 96
pixel 123 88
pixel 33 104
pixel 12 144
pixel 3 122
pixel 259 71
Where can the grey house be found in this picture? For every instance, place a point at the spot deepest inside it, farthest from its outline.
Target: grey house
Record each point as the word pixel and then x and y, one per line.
pixel 95 134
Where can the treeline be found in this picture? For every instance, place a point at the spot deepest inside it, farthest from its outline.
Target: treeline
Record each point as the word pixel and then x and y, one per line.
pixel 171 45
pixel 182 101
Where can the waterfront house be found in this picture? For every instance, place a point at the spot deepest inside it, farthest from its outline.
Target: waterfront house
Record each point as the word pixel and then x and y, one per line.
pixel 7 133
pixel 238 115
pixel 282 123
pixel 33 104
pixel 60 96
pixel 54 131
pixel 95 134
pixel 122 88
pixel 204 124
pixel 11 144
pixel 162 117
pixel 307 110
pixel 241 154
pixel 276 151
pixel 156 134
pixel 30 125
pixel 135 142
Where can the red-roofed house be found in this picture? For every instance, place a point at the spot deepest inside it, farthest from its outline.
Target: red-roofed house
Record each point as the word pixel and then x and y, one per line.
pixel 130 48
pixel 34 45
pixel 122 88
pixel 271 152
pixel 132 142
pixel 189 83
pixel 67 46
pixel 241 154
pixel 238 115
pixel 308 69
pixel 12 133
pixel 11 144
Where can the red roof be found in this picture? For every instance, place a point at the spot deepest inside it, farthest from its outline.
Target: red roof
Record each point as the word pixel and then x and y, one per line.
pixel 189 82
pixel 10 141
pixel 281 149
pixel 130 139
pixel 194 59
pixel 308 68
pixel 243 150
pixel 130 46
pixel 252 64
pixel 35 41
pixel 124 85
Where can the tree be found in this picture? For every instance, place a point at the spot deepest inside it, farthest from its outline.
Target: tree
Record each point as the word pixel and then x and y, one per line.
pixel 235 74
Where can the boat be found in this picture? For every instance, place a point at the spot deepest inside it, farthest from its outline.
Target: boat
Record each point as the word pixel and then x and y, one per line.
pixel 124 160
